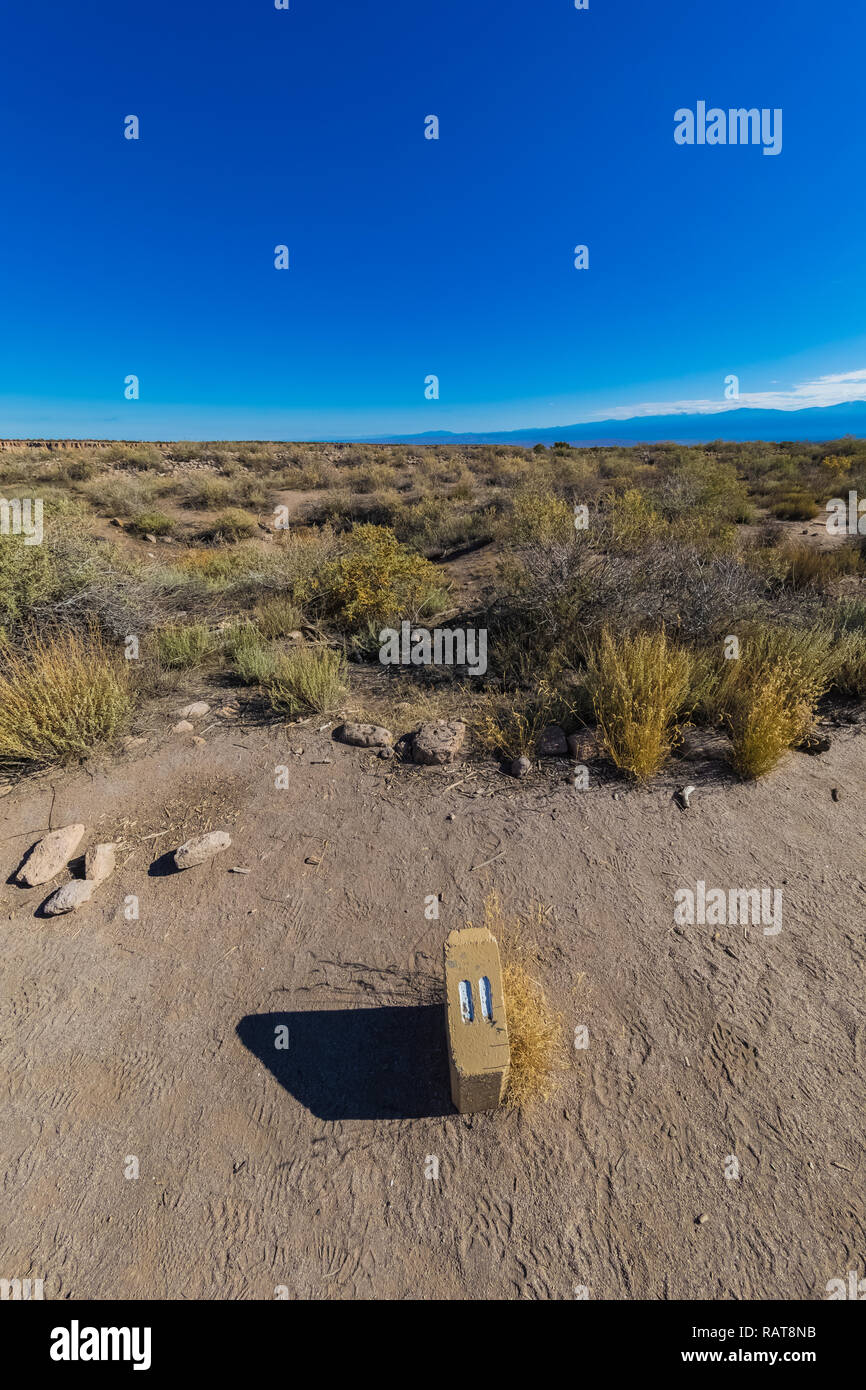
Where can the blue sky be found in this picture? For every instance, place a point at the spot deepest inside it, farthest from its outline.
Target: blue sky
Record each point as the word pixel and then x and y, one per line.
pixel 412 257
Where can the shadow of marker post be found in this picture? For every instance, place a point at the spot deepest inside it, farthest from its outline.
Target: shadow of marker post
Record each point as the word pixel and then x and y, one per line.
pixel 357 1064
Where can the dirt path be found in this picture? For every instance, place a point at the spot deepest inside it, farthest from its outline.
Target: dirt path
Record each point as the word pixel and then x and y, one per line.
pixel 305 1168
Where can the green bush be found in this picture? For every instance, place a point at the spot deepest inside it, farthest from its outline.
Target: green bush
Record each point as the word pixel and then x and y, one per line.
pixel 60 695
pixel 378 580
pixel 151 523
pixel 179 647
pixel 310 678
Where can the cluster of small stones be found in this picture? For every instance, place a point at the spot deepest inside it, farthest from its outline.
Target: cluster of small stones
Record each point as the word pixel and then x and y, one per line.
pixel 50 856
pixel 434 744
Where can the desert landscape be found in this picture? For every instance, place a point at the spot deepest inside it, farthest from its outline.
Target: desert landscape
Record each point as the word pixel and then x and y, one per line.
pixel 650 788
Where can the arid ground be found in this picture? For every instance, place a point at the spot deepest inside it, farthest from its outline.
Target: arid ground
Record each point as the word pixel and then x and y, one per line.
pixel 704 1139
pixel 152 1037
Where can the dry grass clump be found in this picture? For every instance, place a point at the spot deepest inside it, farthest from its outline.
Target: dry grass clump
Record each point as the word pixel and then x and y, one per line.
pixel 637 684
pixel 769 696
pixel 508 726
pixel 233 524
pixel 310 678
pixel 60 695
pixel 277 616
pixel 766 721
pixel 536 1030
pixel 808 567
pixel 253 659
pixel 849 665
pixel 183 646
pixel 154 523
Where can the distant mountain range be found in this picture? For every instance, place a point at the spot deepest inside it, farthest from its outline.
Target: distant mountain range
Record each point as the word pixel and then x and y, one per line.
pixel 814 423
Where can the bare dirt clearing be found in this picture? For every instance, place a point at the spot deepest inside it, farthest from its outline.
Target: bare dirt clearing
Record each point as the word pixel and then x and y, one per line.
pixel 306 1169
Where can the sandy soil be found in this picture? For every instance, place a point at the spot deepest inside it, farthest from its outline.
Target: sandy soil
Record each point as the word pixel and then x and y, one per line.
pixel 306 1169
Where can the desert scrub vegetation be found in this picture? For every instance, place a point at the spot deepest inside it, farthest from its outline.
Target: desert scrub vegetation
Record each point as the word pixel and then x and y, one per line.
pixel 536 1030
pixel 637 684
pixel 277 616
pixel 154 523
pixel 233 524
pixel 376 580
pixel 34 577
pixel 310 678
pixel 537 518
pixel 768 698
pixel 61 694
pixel 183 646
pixel 253 658
pixel 508 724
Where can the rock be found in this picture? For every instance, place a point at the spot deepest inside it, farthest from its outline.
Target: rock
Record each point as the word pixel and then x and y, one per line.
pixel 702 1219
pixel 150 538
pixel 438 742
pixel 69 897
pixel 99 863
pixel 814 743
pixel 201 849
pixel 520 767
pixel 364 735
pixel 166 540
pixel 836 794
pixel 684 796
pixel 132 742
pixel 183 726
pixel 552 742
pixel 385 753
pixel 197 738
pixel 197 710
pixel 118 521
pixel 50 854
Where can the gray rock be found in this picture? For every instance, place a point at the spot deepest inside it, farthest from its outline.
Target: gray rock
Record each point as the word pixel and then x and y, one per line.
pixel 438 742
pixel 197 710
pixel 69 897
pixel 99 863
pixel 521 767
pixel 183 726
pixel 149 537
pixel 201 849
pixel 552 742
pixel 364 735
pixel 50 854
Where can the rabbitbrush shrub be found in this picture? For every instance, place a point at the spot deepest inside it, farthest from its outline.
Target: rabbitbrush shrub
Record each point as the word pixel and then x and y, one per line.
pixel 60 695
pixel 637 685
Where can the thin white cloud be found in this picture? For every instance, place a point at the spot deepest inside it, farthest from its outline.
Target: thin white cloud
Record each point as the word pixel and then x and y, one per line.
pixel 823 390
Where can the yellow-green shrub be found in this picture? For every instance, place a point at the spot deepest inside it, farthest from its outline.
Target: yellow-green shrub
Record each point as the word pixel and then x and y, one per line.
pixel 637 684
pixel 60 695
pixel 378 580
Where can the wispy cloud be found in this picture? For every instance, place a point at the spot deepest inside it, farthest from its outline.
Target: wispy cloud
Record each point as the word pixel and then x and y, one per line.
pixel 823 390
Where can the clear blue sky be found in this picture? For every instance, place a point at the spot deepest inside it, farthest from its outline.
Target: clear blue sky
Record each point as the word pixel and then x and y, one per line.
pixel 409 256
